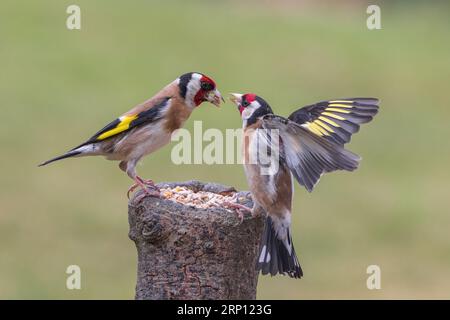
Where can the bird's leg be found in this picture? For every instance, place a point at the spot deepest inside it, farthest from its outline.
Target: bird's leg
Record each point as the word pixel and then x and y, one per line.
pixel 240 209
pixel 138 181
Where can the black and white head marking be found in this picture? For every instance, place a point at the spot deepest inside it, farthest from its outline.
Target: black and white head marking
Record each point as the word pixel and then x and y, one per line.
pixel 189 85
pixel 253 107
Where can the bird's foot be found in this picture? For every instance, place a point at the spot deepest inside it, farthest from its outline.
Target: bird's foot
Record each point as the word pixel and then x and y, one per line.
pixel 240 209
pixel 147 186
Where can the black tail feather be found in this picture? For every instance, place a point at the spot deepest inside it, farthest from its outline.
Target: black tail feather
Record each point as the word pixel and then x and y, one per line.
pixel 64 156
pixel 274 257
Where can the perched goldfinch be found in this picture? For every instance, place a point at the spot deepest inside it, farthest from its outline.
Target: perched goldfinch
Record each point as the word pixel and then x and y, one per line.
pixel 148 126
pixel 309 143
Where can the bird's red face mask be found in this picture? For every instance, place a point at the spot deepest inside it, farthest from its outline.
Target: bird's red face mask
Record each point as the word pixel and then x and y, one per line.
pixel 207 92
pixel 243 101
pixel 251 107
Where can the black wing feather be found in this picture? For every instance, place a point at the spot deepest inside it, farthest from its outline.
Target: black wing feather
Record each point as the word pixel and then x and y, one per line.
pixel 307 155
pixel 336 120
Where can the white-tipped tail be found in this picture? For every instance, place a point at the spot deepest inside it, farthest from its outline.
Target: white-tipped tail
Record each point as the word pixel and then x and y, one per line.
pixel 277 254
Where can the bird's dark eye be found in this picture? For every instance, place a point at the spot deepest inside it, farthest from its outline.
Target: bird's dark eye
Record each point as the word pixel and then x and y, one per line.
pixel 245 103
pixel 206 86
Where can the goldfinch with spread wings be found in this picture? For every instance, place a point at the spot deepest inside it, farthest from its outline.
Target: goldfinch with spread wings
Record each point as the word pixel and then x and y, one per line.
pixel 148 126
pixel 308 143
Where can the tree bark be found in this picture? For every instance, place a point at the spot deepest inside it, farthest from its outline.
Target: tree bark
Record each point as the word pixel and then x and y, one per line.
pixel 189 253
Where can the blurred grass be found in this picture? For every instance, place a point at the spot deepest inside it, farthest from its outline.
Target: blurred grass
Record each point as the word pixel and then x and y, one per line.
pixel 57 87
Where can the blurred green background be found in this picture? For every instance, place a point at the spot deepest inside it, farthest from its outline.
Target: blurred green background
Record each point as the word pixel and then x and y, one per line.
pixel 58 87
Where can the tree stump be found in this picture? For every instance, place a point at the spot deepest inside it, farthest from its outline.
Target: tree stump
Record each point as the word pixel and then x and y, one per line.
pixel 185 252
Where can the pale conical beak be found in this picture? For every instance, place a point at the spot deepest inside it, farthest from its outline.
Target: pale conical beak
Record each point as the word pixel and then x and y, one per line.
pixel 236 98
pixel 215 98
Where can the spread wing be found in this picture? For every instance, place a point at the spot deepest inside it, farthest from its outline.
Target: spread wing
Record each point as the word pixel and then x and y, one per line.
pixel 306 154
pixel 336 120
pixel 129 121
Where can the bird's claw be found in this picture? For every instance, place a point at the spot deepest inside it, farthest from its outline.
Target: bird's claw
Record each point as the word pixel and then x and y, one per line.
pixel 240 215
pixel 131 189
pixel 239 209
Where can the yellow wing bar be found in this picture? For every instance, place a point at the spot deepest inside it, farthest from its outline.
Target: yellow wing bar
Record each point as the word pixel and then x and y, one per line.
pixel 123 125
pixel 340 101
pixel 336 120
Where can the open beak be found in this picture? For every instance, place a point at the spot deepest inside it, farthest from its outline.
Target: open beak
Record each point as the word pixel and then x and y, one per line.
pixel 236 98
pixel 215 98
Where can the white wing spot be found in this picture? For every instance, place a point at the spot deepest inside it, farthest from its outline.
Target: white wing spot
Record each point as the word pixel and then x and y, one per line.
pixel 263 253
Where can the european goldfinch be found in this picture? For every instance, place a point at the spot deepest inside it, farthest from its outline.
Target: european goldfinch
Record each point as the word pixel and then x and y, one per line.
pixel 309 143
pixel 148 126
